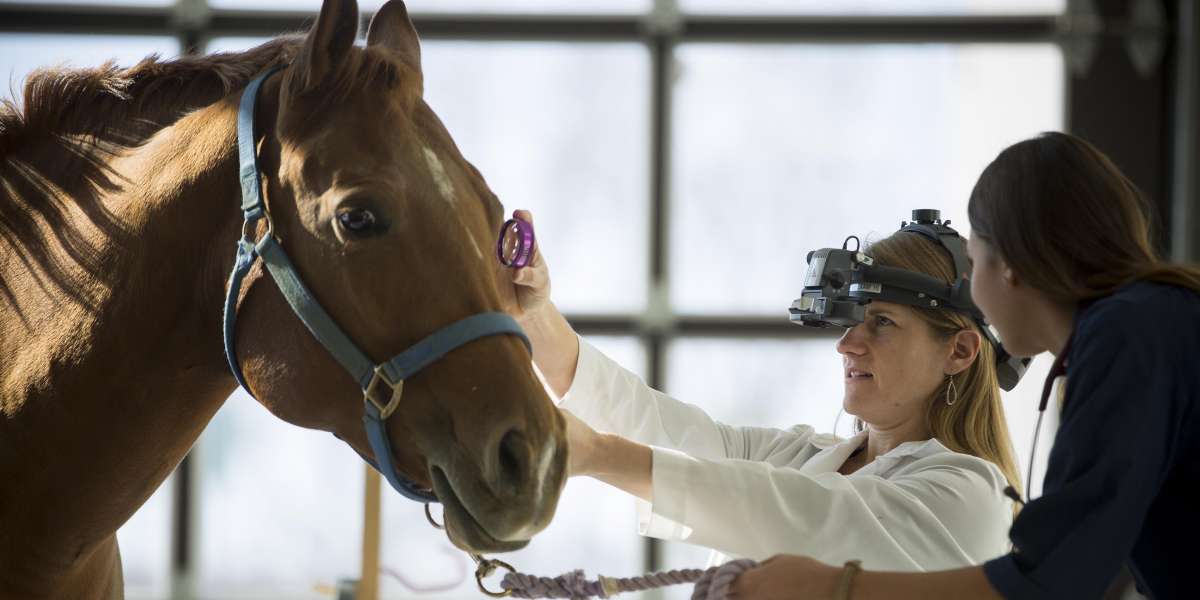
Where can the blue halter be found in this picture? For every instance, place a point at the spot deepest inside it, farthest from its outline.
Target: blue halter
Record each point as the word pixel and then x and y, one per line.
pixel 382 384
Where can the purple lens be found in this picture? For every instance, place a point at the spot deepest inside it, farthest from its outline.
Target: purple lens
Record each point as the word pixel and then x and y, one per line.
pixel 514 248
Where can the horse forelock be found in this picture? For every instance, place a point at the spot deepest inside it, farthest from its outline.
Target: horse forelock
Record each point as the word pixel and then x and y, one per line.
pixel 364 70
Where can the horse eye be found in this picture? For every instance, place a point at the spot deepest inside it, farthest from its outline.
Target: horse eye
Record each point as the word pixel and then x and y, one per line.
pixel 356 220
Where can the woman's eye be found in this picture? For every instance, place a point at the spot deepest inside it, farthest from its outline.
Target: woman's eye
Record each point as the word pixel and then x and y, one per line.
pixel 357 220
pixel 882 321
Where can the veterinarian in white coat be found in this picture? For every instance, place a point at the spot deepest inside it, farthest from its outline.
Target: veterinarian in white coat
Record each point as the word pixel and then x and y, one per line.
pixel 896 496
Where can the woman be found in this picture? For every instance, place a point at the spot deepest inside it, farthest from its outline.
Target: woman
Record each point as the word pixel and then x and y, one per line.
pixel 920 487
pixel 1063 262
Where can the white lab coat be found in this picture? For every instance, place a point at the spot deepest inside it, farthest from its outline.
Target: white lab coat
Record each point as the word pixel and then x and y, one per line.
pixel 756 492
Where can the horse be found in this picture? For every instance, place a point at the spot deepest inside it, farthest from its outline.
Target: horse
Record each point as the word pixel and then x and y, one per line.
pixel 119 195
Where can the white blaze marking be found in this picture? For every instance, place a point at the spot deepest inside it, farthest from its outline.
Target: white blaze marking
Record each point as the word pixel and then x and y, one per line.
pixel 446 188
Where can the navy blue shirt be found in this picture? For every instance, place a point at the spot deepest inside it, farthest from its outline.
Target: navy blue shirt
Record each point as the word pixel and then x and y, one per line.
pixel 1122 484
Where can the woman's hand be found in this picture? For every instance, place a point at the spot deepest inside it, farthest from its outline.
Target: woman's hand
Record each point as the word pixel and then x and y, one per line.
pixel 555 346
pixel 787 577
pixel 531 284
pixel 621 463
pixel 582 442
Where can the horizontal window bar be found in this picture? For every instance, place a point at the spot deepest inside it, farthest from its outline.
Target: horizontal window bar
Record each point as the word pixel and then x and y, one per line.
pixel 156 20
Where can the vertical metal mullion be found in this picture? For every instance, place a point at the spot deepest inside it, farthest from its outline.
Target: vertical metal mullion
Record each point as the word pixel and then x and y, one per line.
pixel 180 516
pixel 182 513
pixel 1185 196
pixel 660 57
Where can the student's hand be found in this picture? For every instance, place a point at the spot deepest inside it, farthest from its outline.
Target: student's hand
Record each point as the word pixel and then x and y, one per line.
pixel 787 577
pixel 582 442
pixel 531 284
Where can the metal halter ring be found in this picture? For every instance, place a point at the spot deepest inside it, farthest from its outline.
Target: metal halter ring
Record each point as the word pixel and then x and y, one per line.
pixel 372 392
pixel 432 521
pixel 249 223
pixel 485 568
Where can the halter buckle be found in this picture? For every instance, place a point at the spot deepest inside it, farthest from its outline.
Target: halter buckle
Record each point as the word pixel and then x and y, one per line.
pixel 372 393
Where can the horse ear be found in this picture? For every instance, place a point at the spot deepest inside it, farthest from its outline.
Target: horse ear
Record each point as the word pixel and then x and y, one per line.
pixel 392 29
pixel 329 41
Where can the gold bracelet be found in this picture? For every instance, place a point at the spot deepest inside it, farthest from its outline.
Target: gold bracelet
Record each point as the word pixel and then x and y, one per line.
pixel 849 570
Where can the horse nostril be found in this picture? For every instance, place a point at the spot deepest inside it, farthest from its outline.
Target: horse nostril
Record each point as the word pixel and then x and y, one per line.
pixel 513 460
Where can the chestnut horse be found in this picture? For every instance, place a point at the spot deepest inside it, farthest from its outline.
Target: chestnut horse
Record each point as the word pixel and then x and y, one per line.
pixel 119 195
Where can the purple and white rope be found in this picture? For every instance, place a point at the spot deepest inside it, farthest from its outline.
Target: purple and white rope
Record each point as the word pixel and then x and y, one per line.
pixel 711 584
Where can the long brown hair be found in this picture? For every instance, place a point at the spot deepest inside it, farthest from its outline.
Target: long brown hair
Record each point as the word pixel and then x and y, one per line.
pixel 1067 221
pixel 975 423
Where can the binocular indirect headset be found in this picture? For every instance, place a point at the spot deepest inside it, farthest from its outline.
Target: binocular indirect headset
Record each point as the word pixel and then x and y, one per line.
pixel 840 283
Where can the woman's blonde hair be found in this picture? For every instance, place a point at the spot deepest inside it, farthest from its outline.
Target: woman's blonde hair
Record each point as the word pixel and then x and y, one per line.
pixel 974 424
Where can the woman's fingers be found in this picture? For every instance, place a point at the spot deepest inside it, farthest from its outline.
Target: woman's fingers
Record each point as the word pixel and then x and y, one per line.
pixel 535 275
pixel 535 259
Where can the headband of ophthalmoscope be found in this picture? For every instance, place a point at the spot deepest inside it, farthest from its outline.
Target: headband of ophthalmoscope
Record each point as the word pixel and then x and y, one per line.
pixel 840 283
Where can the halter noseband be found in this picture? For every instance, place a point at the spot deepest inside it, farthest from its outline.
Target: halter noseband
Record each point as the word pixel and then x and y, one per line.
pixel 383 383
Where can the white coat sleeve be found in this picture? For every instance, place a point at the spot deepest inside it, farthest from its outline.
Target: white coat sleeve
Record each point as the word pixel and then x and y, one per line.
pixel 610 398
pixel 944 511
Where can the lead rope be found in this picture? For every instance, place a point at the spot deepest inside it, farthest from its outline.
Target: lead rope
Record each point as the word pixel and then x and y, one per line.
pixel 711 584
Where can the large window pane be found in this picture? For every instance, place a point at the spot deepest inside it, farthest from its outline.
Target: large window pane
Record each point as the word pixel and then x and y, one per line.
pixel 779 150
pixel 145 542
pixel 759 382
pixel 595 528
pixel 874 7
pixel 21 53
pixel 628 352
pixel 279 507
pixel 560 129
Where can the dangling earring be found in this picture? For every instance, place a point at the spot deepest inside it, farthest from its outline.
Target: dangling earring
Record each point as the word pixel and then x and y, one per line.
pixel 950 389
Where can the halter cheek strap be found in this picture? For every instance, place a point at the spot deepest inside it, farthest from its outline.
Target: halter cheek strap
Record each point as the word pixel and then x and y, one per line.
pixel 382 384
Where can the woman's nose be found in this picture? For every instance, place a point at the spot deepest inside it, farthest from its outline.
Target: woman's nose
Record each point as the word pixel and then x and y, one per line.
pixel 852 342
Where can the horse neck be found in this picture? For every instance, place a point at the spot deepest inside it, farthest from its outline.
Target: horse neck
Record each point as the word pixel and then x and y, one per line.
pixel 114 366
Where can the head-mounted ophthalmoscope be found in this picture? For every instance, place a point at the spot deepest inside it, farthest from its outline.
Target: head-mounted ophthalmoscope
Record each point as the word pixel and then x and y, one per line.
pixel 839 284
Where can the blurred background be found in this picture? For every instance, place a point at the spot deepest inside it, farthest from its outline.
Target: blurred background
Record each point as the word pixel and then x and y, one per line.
pixel 681 157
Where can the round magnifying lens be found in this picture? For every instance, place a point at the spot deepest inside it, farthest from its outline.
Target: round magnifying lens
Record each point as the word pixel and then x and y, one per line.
pixel 515 245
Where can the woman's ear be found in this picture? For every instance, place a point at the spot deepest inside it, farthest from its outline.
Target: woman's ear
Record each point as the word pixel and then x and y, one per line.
pixel 1008 275
pixel 964 350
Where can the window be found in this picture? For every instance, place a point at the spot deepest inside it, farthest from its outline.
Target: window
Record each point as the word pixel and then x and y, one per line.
pixel 784 149
pixel 764 149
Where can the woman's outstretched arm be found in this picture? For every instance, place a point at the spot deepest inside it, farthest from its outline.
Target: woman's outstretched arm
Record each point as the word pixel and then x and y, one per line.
pixel 791 577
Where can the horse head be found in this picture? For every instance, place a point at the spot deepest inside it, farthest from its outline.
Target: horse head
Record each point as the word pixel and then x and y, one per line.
pixel 391 229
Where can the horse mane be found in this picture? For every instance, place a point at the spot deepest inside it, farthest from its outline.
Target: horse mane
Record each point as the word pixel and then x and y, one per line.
pixel 98 100
pixel 54 150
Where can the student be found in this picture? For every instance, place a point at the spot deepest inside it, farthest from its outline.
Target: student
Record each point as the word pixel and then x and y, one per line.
pixel 1064 263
